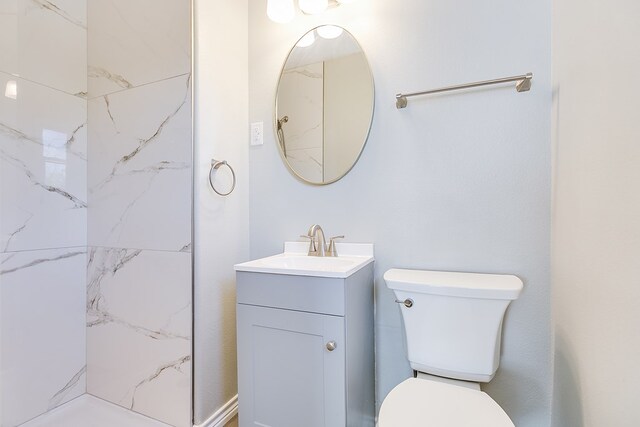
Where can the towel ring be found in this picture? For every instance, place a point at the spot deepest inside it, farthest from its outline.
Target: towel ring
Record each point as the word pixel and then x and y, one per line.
pixel 215 164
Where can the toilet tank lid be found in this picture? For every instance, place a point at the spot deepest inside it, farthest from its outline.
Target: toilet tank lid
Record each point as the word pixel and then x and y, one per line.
pixel 471 285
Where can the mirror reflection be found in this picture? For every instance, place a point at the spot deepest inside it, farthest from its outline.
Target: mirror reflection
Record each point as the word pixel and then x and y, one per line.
pixel 324 105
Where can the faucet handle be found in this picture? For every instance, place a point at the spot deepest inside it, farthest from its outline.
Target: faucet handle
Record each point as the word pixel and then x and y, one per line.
pixel 332 246
pixel 312 243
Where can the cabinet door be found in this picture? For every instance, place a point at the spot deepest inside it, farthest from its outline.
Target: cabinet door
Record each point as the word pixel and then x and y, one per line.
pixel 286 375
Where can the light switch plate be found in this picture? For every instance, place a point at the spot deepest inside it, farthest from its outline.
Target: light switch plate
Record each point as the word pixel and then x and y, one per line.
pixel 257 133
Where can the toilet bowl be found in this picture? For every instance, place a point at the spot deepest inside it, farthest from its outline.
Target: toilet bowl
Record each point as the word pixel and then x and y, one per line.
pixel 453 327
pixel 428 402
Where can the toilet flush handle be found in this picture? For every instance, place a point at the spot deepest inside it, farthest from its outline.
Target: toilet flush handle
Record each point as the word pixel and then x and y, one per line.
pixel 407 303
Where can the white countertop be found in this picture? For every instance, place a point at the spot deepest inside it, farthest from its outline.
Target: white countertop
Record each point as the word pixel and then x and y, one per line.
pixel 295 261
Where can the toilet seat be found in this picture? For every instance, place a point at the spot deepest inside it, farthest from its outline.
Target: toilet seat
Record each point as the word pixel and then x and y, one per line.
pixel 418 402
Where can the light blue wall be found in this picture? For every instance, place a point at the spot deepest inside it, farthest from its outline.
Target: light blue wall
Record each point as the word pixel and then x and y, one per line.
pixel 454 182
pixel 221 235
pixel 596 232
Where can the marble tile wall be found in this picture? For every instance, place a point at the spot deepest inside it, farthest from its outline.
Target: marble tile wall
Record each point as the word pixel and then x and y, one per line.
pixel 43 335
pixel 43 205
pixel 139 207
pixel 139 331
pixel 140 167
pixel 45 41
pixel 132 43
pixel 43 164
pixel 95 206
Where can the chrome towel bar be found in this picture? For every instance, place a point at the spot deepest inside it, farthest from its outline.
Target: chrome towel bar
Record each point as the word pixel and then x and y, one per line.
pixel 523 84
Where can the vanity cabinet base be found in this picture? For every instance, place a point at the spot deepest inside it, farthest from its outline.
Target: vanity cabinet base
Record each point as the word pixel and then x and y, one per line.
pixel 299 368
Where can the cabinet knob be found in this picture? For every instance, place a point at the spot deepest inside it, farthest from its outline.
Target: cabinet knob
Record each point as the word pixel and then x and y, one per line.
pixel 331 345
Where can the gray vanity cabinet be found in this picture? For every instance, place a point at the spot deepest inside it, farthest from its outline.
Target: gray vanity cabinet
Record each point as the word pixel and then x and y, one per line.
pixel 305 350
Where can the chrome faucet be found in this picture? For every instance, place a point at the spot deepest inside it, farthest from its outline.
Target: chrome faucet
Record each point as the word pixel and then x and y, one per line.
pixel 318 244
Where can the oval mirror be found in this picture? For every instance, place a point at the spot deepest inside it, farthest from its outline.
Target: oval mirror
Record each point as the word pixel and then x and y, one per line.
pixel 324 105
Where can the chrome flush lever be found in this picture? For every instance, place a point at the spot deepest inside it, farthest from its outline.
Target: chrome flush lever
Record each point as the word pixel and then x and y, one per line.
pixel 407 303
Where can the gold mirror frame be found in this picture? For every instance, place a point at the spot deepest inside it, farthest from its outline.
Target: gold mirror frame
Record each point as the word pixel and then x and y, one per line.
pixel 339 54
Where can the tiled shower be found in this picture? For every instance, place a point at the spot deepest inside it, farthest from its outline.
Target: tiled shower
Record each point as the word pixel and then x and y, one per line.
pixel 95 208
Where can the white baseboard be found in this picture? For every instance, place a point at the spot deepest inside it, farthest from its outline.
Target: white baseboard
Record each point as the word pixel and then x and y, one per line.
pixel 223 415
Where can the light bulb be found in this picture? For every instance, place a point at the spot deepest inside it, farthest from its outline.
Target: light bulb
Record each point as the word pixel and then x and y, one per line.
pixel 329 31
pixel 311 7
pixel 11 89
pixel 306 40
pixel 280 11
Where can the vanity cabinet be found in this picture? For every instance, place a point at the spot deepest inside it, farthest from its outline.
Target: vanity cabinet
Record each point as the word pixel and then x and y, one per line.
pixel 305 350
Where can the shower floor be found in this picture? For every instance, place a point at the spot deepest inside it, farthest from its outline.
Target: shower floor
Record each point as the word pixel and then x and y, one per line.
pixel 89 411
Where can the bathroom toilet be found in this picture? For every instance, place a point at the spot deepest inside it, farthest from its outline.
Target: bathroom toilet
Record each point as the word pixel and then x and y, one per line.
pixel 453 327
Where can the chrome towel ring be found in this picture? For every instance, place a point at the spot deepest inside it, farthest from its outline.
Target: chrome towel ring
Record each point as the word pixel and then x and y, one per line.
pixel 215 164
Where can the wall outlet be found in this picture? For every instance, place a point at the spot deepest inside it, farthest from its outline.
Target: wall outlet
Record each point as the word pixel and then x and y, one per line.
pixel 257 133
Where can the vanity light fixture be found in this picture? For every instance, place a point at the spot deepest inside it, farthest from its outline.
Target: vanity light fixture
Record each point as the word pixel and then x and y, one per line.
pixel 329 31
pixel 283 11
pixel 280 11
pixel 11 89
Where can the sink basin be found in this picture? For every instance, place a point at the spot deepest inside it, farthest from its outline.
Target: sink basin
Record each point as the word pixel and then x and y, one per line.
pixel 294 261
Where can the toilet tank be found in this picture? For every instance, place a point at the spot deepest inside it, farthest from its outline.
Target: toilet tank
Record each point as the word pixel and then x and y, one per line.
pixel 454 325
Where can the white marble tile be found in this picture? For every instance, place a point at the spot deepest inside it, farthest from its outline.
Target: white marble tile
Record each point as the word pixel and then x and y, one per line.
pixel 140 167
pixel 136 42
pixel 301 99
pixel 89 411
pixel 139 331
pixel 45 41
pixel 42 311
pixel 8 36
pixel 43 168
pixel 306 162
